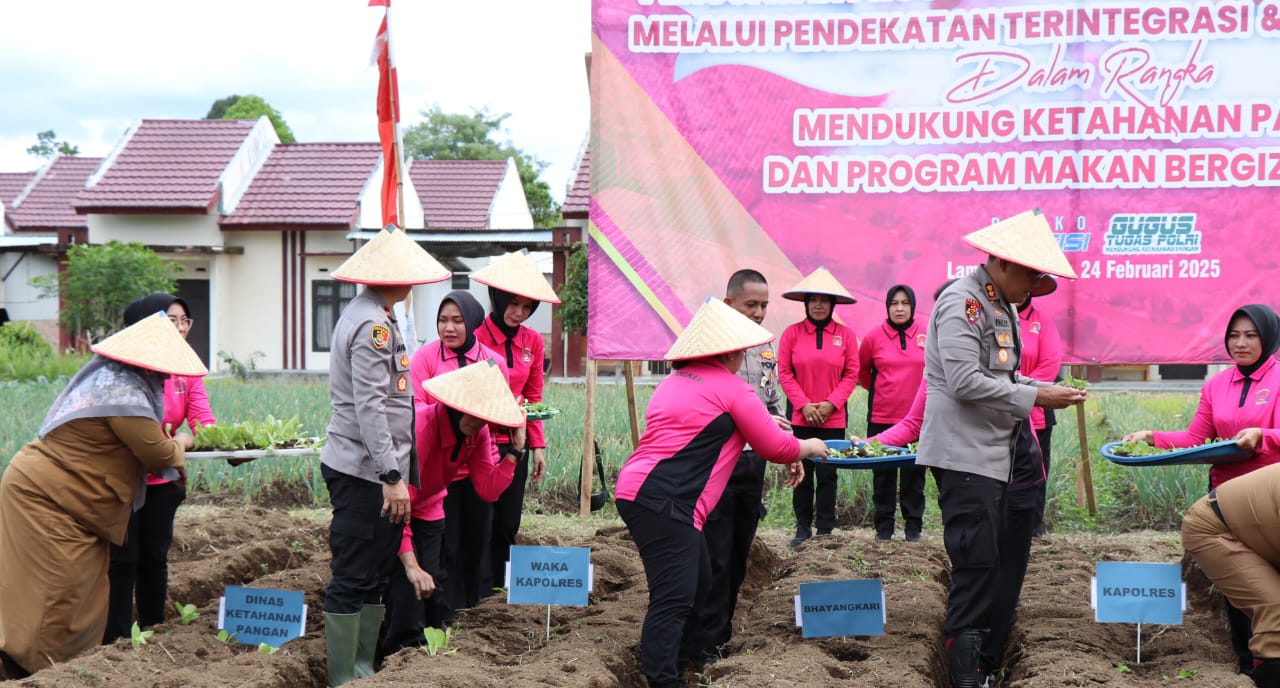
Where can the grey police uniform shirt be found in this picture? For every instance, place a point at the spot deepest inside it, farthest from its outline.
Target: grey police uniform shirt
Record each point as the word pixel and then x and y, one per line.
pixel 976 394
pixel 371 430
pixel 760 370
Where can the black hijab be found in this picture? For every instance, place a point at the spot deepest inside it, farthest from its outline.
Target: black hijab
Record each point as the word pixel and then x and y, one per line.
pixel 1268 325
pixel 500 300
pixel 819 324
pixel 472 318
pixel 149 304
pixel 911 298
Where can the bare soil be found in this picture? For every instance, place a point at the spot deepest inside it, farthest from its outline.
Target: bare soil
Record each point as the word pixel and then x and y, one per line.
pixel 1054 643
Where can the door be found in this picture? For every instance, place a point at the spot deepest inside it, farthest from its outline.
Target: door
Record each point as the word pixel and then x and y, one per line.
pixel 196 294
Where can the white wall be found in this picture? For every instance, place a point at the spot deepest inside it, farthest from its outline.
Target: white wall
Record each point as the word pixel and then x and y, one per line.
pixel 246 300
pixel 156 230
pixel 510 209
pixel 371 201
pixel 16 293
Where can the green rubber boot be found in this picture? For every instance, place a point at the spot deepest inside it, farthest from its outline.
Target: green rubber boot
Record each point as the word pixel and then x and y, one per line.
pixel 340 632
pixel 367 642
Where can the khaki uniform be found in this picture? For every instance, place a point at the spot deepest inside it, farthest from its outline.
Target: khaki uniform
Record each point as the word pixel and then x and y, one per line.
pixel 63 498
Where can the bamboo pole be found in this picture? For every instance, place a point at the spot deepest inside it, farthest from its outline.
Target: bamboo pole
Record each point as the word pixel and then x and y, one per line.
pixel 588 441
pixel 1084 469
pixel 631 405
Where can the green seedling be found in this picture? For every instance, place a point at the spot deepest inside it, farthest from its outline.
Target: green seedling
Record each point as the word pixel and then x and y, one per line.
pixel 137 636
pixel 267 649
pixel 186 613
pixel 1184 674
pixel 224 637
pixel 1123 668
pixel 437 641
pixel 1138 449
pixel 1074 382
pixel 872 448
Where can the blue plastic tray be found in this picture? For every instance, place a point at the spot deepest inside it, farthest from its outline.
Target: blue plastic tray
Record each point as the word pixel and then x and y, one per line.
pixel 895 461
pixel 1219 452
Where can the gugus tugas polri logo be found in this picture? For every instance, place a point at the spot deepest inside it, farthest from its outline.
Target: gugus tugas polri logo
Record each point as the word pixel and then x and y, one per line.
pixel 1152 234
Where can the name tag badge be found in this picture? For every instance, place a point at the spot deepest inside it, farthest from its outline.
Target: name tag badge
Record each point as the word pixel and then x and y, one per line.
pixel 1003 322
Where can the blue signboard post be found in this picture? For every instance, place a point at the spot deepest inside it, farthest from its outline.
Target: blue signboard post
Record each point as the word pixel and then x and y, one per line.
pixel 1138 593
pixel 254 616
pixel 550 576
pixel 839 608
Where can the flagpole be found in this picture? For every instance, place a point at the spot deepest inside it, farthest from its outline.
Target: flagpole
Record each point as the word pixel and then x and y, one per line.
pixel 398 148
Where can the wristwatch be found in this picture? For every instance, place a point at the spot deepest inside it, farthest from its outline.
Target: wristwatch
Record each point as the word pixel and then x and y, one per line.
pixel 519 454
pixel 390 477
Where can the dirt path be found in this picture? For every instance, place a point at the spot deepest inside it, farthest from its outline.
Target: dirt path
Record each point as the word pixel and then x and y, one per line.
pixel 1055 642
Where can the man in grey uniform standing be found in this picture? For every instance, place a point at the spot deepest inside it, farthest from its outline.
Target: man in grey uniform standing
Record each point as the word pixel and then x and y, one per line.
pixel 368 460
pixel 976 400
pixel 731 527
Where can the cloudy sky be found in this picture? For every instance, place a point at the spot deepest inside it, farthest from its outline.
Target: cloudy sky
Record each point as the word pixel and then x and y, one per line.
pixel 88 68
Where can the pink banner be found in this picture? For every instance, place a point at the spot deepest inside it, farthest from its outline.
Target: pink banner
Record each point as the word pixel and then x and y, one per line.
pixel 869 136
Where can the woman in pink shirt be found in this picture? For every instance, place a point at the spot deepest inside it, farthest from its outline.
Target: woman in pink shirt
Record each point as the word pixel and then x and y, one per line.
pixel 890 367
pixel 516 287
pixel 817 369
pixel 1240 404
pixel 452 433
pixel 469 516
pixel 696 425
pixel 140 567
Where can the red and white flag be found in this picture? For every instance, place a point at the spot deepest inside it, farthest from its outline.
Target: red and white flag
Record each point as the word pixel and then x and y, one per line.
pixel 388 115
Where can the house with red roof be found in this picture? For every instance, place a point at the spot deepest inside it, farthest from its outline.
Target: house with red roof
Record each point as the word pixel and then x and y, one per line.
pixel 39 226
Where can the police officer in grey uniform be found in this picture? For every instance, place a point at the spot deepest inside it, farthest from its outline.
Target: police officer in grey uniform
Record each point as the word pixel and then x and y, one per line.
pixel 731 527
pixel 368 460
pixel 977 400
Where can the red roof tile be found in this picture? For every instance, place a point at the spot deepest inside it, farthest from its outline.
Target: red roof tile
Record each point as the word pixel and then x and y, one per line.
pixel 577 200
pixel 48 204
pixel 167 164
pixel 12 184
pixel 307 184
pixel 457 194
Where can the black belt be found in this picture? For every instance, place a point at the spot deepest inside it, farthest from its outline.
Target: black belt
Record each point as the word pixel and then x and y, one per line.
pixel 1213 504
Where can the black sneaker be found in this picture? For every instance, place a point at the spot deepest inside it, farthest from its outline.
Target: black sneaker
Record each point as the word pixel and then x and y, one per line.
pixel 802 533
pixel 884 537
pixel 913 537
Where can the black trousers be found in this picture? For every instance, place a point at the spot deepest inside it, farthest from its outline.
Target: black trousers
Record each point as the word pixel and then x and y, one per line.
pixel 1044 436
pixel 677 569
pixel 1015 552
pixel 141 566
pixel 893 486
pixel 363 542
pixel 729 531
pixel 972 509
pixel 407 616
pixel 803 500
pixel 506 523
pixel 468 522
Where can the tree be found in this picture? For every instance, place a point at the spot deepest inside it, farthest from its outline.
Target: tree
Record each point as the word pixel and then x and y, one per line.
pixel 450 136
pixel 253 107
pixel 220 106
pixel 99 281
pixel 573 294
pixel 48 145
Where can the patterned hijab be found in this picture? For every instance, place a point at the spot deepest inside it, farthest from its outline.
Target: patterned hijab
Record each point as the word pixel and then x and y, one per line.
pixel 103 388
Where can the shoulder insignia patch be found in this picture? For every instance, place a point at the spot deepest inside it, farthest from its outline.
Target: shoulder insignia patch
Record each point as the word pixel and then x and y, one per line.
pixel 972 310
pixel 991 291
pixel 381 335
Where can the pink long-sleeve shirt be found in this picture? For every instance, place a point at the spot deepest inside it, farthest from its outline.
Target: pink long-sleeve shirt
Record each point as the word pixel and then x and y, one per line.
pixel 889 371
pixel 436 442
pixel 1041 352
pixel 696 425
pixel 1221 415
pixel 185 401
pixel 808 374
pixel 433 359
pixel 524 371
pixel 907 430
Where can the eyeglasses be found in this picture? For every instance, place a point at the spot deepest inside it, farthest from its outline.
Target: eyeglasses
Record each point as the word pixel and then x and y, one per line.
pixel 181 323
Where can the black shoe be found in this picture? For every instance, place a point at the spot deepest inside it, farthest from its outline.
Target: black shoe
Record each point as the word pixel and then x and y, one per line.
pixel 802 533
pixel 1266 673
pixel 964 660
pixel 884 537
pixel 913 537
pixel 824 531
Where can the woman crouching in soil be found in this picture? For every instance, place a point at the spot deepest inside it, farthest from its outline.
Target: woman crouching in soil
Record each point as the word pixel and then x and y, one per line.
pixel 696 425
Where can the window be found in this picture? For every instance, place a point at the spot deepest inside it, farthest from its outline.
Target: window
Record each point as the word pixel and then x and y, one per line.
pixel 461 280
pixel 328 298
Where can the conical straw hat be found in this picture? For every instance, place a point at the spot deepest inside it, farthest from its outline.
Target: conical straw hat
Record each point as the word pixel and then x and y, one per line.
pixel 717 329
pixel 391 259
pixel 820 281
pixel 517 273
pixel 479 390
pixel 1025 239
pixel 152 343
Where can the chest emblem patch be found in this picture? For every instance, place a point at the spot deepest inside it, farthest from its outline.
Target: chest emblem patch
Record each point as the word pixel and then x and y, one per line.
pixel 1002 355
pixel 920 340
pixel 1004 339
pixel 526 354
pixel 1262 397
pixel 402 383
pixel 1034 327
pixel 972 310
pixel 380 335
pixel 991 291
